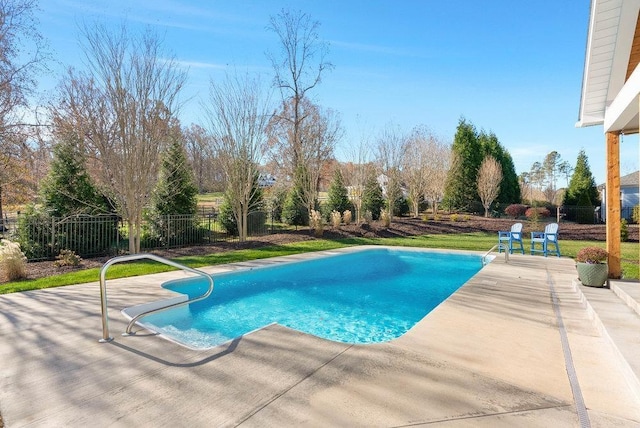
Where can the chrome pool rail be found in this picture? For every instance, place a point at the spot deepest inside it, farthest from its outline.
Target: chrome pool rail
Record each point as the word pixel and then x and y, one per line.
pixel 103 290
pixel 499 245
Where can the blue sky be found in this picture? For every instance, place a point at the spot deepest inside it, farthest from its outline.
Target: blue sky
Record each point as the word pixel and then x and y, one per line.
pixel 510 67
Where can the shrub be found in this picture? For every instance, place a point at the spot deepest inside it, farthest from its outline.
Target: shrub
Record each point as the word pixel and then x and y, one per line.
pixel 636 214
pixel 67 258
pixel 372 199
pixel 338 196
pixel 367 217
pixel 515 210
pixel 316 223
pixel 346 217
pixel 12 260
pixel 454 217
pixel 40 235
pixel 274 201
pixel 592 255
pixel 537 212
pixel 336 218
pixel 624 230
pixel 385 217
pixel 466 217
pixel 401 207
pixel 294 212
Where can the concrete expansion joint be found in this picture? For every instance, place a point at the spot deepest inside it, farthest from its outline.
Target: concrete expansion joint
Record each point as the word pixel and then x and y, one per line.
pixel 578 399
pixel 483 415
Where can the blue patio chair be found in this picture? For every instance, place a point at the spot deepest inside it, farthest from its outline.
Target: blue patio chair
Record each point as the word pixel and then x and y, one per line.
pixel 545 239
pixel 514 236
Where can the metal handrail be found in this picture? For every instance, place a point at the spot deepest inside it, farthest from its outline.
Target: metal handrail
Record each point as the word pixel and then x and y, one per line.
pixel 499 245
pixel 103 290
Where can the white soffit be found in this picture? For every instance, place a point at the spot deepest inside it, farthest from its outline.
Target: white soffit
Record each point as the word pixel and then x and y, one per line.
pixel 611 29
pixel 622 114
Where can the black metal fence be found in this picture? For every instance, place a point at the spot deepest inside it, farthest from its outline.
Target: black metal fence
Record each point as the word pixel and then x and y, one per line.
pixel 591 215
pixel 43 237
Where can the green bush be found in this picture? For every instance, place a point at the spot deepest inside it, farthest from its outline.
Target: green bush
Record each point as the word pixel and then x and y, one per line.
pixel 372 199
pixel 294 212
pixel 67 258
pixel 624 230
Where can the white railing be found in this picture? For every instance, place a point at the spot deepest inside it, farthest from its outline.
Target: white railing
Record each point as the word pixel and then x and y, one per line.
pixel 500 246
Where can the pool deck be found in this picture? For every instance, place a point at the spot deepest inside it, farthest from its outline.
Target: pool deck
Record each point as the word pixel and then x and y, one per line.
pixel 491 355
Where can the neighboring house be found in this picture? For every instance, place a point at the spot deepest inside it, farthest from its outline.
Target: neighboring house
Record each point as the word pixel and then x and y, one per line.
pixel 383 181
pixel 266 180
pixel 629 195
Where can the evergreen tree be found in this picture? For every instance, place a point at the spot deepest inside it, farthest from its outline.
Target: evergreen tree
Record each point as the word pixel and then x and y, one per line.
pixel 294 210
pixel 510 192
pixel 372 199
pixel 582 181
pixel 338 197
pixel 68 188
pixel 461 192
pixel 175 192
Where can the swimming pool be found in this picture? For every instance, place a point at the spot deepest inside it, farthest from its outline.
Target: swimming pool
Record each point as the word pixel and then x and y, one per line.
pixel 364 296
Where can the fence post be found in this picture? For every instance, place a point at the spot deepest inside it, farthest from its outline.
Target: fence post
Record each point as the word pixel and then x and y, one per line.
pixel 53 236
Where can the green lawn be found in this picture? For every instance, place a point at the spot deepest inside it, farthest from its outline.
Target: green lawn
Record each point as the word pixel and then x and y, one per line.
pixel 468 241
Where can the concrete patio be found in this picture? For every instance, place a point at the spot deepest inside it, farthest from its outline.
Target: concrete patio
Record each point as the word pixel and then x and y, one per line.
pixel 491 355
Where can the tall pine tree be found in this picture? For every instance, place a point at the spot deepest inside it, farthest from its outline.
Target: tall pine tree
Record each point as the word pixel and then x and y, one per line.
pixel 338 197
pixel 176 191
pixel 372 198
pixel 68 188
pixel 461 191
pixel 582 181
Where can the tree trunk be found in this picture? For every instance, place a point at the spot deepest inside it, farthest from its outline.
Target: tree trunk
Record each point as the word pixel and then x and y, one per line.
pixel 132 233
pixel 2 225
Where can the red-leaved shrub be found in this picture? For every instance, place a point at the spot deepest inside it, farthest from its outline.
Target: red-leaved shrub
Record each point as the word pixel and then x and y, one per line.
pixel 515 210
pixel 539 211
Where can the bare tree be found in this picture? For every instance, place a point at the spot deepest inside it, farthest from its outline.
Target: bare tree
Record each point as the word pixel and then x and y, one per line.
pixel 21 58
pixel 298 69
pixel 238 114
pixel 416 165
pixel 489 178
pixel 390 153
pixel 437 168
pixel 357 171
pixel 121 108
pixel 205 165
pixel 318 136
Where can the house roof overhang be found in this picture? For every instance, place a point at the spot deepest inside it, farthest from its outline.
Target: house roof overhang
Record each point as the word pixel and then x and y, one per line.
pixel 611 82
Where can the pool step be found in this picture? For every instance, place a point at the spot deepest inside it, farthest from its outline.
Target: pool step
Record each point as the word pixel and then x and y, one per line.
pixel 616 313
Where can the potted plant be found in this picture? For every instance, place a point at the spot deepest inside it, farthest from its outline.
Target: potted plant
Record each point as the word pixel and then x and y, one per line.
pixel 591 263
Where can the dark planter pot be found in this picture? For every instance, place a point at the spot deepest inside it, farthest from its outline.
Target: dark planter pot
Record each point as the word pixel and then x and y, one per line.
pixel 592 275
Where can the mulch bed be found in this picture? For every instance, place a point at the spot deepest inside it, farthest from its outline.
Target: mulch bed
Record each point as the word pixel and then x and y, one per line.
pixel 400 227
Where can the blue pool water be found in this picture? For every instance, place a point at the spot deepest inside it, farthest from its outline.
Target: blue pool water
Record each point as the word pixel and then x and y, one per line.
pixel 368 296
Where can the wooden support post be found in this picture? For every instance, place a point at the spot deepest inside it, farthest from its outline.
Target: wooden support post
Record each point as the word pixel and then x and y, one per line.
pixel 613 204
